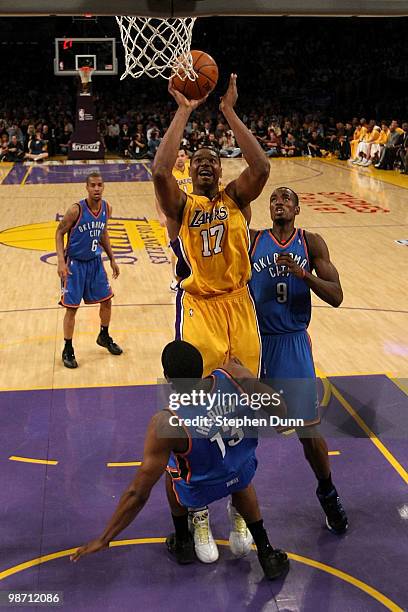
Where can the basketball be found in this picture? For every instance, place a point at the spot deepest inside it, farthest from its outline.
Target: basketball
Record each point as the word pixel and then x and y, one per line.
pixel 207 76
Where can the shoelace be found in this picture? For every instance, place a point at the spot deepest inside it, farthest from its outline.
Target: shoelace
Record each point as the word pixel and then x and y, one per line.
pixel 239 523
pixel 201 527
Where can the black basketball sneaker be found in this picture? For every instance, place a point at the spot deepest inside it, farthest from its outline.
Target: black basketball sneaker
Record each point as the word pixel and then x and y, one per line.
pixel 336 518
pixel 183 551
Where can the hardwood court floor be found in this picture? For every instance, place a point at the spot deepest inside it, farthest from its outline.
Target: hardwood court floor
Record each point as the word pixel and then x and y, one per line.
pixel 360 212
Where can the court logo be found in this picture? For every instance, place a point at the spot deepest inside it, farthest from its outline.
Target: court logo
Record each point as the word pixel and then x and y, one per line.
pixel 132 240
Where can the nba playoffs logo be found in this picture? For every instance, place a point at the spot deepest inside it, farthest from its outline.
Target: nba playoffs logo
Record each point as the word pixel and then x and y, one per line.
pixel 128 237
pixel 92 147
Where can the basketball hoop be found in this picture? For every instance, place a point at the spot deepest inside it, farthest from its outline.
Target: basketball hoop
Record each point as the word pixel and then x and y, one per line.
pixel 157 47
pixel 85 74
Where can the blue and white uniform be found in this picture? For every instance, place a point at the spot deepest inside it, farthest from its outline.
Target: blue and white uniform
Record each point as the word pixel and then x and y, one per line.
pixel 219 460
pixel 87 279
pixel 283 305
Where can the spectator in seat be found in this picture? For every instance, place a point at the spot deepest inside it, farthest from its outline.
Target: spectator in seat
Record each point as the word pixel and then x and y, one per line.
pixel 273 143
pixel 112 136
pixel 15 150
pixel 153 144
pixel 378 146
pixel 4 147
pixel 364 148
pixel 14 129
pixel 315 145
pixel 358 136
pixel 391 147
pixel 404 150
pixel 229 146
pixel 138 144
pixel 37 148
pixel 49 140
pixel 124 140
pixel 291 147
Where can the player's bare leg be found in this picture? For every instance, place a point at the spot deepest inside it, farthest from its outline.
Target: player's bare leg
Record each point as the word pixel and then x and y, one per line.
pixel 180 543
pixel 104 339
pixel 274 562
pixel 316 453
pixel 68 355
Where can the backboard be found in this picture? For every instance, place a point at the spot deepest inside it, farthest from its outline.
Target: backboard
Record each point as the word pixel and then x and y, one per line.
pixel 74 53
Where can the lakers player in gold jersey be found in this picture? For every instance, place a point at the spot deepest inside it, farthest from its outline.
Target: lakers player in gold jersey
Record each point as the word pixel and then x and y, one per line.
pixel 208 230
pixel 181 172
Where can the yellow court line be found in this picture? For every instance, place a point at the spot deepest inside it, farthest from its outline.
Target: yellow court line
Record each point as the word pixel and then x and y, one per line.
pixel 334 453
pixel 327 392
pixel 402 387
pixel 146 167
pixel 8 170
pixel 26 175
pixel 359 584
pixel 29 460
pixel 124 464
pixel 374 439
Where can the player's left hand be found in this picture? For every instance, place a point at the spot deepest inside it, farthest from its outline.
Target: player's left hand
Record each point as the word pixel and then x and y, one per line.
pixel 291 265
pixel 88 549
pixel 229 99
pixel 115 268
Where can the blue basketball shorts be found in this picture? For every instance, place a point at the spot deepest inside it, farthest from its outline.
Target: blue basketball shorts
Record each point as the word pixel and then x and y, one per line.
pixel 287 364
pixel 87 280
pixel 197 495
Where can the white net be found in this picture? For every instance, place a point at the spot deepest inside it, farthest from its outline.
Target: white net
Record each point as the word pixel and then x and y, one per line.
pixel 157 47
pixel 85 74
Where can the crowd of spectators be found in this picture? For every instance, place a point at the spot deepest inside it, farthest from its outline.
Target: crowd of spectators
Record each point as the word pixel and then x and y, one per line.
pixel 300 93
pixel 137 135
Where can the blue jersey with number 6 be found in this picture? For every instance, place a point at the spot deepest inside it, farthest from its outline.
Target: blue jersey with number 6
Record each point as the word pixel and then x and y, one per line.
pixel 282 300
pixel 84 237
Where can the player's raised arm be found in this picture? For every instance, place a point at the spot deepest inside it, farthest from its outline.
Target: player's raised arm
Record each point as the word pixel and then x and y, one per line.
pixel 249 184
pixel 155 458
pixel 64 226
pixel 326 283
pixel 170 198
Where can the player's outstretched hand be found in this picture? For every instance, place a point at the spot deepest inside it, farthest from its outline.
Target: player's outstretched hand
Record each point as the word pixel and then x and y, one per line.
pixel 115 269
pixel 63 271
pixel 292 266
pixel 229 99
pixel 182 101
pixel 88 549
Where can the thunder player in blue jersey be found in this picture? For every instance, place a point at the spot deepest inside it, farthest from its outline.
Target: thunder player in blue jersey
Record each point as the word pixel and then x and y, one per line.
pixel 80 266
pixel 283 259
pixel 200 466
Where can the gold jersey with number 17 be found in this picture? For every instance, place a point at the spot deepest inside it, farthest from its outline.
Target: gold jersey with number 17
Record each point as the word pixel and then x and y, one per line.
pixel 212 246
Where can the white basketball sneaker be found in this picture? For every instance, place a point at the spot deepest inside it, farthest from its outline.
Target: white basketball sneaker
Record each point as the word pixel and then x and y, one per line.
pixel 204 543
pixel 240 538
